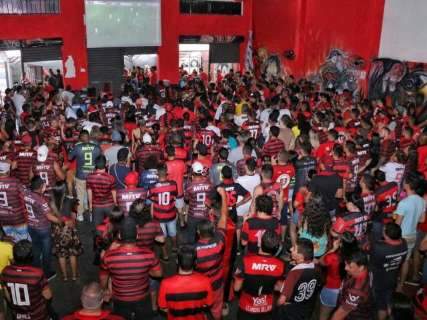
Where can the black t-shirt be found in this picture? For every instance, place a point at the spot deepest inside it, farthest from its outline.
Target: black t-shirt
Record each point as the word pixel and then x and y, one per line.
pixel 300 288
pixel 302 168
pixel 386 260
pixel 327 184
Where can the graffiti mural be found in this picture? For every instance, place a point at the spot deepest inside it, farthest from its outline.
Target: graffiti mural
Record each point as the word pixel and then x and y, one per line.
pixel 269 64
pixel 403 82
pixel 341 71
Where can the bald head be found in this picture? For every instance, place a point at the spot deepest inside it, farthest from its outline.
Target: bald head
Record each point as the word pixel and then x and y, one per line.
pixel 92 296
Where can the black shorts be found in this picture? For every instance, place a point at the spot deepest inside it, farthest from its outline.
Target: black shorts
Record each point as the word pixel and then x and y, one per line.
pixel 383 297
pixel 243 315
pixel 133 310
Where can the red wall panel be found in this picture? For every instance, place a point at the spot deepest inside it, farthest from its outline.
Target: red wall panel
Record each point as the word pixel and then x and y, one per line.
pixel 313 27
pixel 353 26
pixel 68 25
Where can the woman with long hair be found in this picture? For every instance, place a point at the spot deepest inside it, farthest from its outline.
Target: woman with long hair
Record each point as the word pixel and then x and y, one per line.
pixel 315 224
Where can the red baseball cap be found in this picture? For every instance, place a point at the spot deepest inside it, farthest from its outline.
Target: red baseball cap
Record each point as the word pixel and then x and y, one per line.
pixel 26 139
pixel 132 178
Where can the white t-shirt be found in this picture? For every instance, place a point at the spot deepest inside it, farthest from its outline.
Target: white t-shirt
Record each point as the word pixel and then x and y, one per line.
pixel 249 183
pixel 18 101
pixel 393 172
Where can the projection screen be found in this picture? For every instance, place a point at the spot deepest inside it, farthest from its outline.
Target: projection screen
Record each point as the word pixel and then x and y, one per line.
pixel 123 23
pixel 404 35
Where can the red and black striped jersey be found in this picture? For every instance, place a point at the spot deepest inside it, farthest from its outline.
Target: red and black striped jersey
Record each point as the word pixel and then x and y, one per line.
pixel 209 260
pixel 148 233
pixel 207 137
pixel 343 168
pixel 260 275
pixel 254 128
pixel 101 184
pixel 12 208
pixel 25 160
pixel 357 223
pixel 46 171
pixel 356 297
pixel 145 152
pixel 125 198
pixel 254 228
pixel 37 208
pixel 386 197
pixel 129 267
pixel 364 154
pixel 25 285
pixel 369 203
pixel 186 296
pixel 7 156
pixel 195 194
pixel 163 196
pixel 272 147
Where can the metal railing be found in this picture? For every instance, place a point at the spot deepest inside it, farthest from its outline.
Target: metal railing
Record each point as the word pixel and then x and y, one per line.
pixel 30 6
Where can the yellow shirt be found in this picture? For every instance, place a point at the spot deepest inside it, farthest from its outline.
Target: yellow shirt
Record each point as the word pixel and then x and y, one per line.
pixel 296 131
pixel 6 254
pixel 239 107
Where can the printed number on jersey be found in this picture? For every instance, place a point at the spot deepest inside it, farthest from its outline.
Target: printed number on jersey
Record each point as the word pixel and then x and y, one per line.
pixel 30 211
pixel 305 290
pixel 19 293
pixel 45 177
pixel 3 199
pixel 164 198
pixel 88 159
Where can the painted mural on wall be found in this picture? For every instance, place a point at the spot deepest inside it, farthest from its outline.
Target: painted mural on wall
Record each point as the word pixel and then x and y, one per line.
pixel 269 64
pixel 341 71
pixel 397 79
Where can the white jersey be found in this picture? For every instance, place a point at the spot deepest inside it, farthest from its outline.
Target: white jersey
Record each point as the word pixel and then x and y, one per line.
pixel 393 172
pixel 249 183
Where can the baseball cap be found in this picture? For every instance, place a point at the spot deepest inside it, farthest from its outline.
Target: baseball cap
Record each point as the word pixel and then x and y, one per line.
pixel 340 226
pixel 109 104
pixel 116 136
pixel 4 167
pixel 197 167
pixel 42 153
pixel 132 178
pixel 146 138
pixel 26 139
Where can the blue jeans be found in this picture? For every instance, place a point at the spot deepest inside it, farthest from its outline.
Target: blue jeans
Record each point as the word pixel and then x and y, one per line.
pixel 42 249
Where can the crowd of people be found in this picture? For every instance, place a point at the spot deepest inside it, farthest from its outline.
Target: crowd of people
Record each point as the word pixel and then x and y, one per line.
pixel 269 196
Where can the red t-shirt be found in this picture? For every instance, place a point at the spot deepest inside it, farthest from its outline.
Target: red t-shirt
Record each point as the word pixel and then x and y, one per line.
pixel 332 264
pixel 176 172
pixel 103 315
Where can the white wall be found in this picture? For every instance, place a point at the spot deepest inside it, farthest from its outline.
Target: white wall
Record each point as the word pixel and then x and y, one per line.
pixel 404 32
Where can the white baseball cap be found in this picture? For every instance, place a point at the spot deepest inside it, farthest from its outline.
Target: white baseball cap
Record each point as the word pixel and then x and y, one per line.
pixel 4 167
pixel 197 167
pixel 42 153
pixel 146 138
pixel 109 104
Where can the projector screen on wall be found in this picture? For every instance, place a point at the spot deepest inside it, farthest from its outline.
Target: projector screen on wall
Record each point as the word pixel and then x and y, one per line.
pixel 404 35
pixel 123 23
